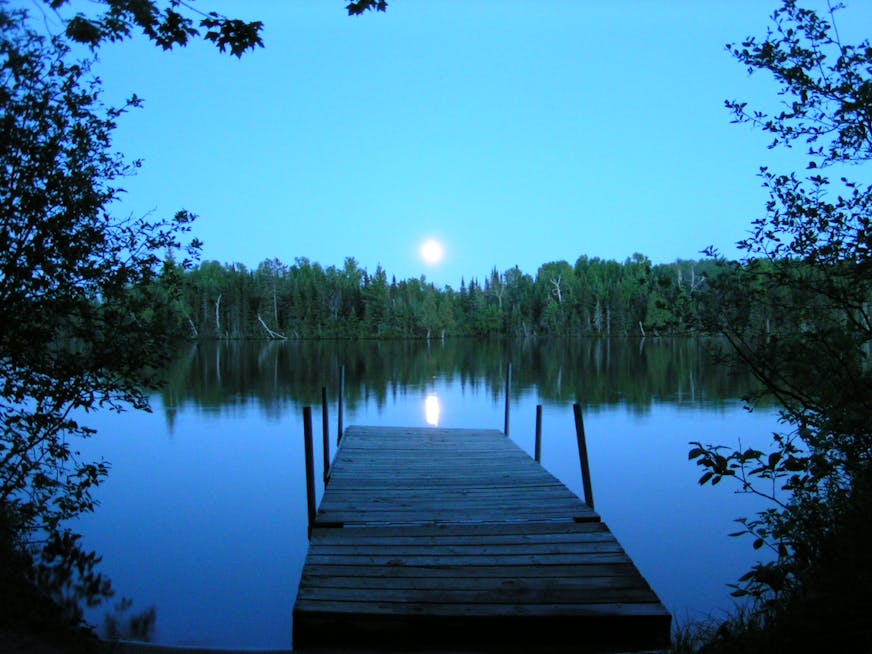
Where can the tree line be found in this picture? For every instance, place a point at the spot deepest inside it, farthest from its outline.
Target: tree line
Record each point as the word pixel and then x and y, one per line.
pixel 307 300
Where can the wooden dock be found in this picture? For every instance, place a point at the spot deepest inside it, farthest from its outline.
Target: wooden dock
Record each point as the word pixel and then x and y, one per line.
pixel 456 540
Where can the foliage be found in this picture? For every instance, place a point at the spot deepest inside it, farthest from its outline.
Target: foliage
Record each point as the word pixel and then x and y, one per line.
pixel 357 7
pixel 797 309
pixel 121 624
pixel 27 609
pixel 829 613
pixel 82 319
pixel 167 23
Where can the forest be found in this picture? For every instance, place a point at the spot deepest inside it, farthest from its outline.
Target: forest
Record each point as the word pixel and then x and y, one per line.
pixel 308 300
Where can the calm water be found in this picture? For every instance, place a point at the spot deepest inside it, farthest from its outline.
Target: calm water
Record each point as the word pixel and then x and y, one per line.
pixel 203 516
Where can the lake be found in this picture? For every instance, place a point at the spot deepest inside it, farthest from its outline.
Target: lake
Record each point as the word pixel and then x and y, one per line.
pixel 203 516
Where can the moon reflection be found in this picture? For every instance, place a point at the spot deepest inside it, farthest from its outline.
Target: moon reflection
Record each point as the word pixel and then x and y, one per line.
pixel 432 408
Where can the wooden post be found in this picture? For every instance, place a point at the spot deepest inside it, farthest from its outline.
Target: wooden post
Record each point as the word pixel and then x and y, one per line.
pixel 508 388
pixel 310 466
pixel 325 428
pixel 538 447
pixel 582 455
pixel 341 394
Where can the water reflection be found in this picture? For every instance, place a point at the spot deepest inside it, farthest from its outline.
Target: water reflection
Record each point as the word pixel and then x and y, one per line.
pixel 597 372
pixel 432 409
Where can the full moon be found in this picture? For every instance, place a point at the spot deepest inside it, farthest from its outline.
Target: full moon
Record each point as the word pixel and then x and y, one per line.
pixel 432 251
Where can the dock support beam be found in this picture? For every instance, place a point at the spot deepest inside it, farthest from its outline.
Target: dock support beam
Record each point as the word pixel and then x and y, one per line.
pixel 341 396
pixel 310 466
pixel 508 388
pixel 582 455
pixel 325 429
pixel 538 446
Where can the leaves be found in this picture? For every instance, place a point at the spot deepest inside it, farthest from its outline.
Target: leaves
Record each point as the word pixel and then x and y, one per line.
pixel 827 80
pixel 81 30
pixel 238 35
pixel 795 309
pixel 358 7
pixel 166 23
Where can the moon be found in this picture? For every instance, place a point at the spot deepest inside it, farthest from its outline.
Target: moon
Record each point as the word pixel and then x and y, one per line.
pixel 432 251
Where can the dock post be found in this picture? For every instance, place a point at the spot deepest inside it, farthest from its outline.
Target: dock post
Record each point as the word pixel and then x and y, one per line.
pixel 508 388
pixel 341 395
pixel 325 428
pixel 310 466
pixel 538 446
pixel 582 455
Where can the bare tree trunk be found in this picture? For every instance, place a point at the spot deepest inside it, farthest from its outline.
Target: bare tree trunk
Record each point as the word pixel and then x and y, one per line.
pixel 195 333
pixel 641 329
pixel 598 316
pixel 557 290
pixel 218 315
pixel 270 332
pixel 527 330
pixel 275 304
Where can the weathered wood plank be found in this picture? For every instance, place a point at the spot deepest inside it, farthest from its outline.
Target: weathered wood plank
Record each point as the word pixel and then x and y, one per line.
pixel 466 582
pixel 447 511
pixel 472 539
pixel 506 574
pixel 494 598
pixel 436 559
pixel 469 550
pixel 418 498
pixel 576 610
pixel 506 529
pixel 413 519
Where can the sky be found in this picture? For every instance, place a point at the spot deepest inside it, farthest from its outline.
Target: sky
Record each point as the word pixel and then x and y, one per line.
pixel 515 132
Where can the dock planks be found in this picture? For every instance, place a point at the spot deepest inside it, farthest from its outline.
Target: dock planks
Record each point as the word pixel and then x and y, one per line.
pixel 456 539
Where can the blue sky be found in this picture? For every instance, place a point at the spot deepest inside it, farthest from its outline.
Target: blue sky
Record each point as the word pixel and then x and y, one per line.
pixel 517 132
